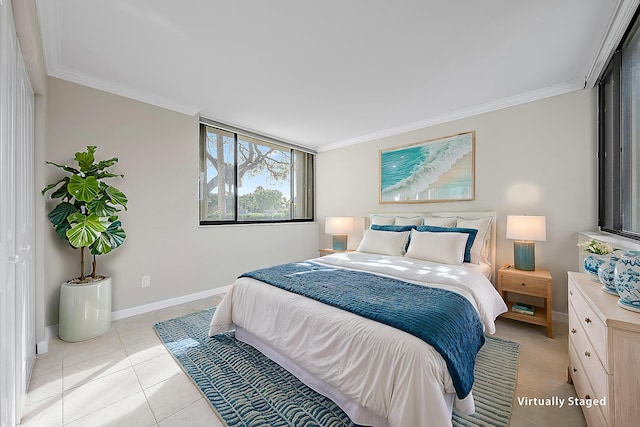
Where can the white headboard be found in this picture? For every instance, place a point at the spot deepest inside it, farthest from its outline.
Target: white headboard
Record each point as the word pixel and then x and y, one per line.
pixel 466 215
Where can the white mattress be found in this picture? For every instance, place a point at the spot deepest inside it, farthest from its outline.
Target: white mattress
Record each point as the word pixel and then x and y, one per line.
pixel 379 375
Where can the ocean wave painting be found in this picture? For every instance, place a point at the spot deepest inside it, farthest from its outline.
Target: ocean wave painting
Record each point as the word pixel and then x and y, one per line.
pixel 437 170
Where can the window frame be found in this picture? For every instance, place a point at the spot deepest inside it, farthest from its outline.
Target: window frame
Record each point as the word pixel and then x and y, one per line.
pixel 611 216
pixel 238 133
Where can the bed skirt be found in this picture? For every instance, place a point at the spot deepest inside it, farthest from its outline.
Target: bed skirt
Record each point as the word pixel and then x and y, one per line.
pixel 356 412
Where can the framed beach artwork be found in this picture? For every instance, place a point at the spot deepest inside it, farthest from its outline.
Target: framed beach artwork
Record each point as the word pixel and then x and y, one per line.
pixel 438 170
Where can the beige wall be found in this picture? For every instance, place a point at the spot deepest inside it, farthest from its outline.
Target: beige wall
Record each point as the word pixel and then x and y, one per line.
pixel 158 152
pixel 536 158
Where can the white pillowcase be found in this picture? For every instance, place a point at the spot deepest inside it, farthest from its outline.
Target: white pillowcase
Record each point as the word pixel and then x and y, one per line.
pixel 405 220
pixel 445 248
pixel 440 221
pixel 483 225
pixel 383 220
pixel 384 242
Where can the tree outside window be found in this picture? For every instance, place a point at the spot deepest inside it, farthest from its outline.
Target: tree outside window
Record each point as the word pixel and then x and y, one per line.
pixel 246 179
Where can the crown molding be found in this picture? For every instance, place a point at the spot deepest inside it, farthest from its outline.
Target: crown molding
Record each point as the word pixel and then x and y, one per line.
pixel 48 17
pixel 49 22
pixel 615 31
pixel 124 91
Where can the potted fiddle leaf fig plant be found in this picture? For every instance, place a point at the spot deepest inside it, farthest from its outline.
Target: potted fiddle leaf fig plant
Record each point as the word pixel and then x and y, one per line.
pixel 86 216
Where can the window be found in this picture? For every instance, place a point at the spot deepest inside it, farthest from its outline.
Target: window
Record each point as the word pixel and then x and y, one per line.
pixel 619 140
pixel 251 179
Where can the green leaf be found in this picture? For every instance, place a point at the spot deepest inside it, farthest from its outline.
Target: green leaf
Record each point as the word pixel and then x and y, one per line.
pixel 63 191
pixel 84 229
pixel 61 230
pixel 86 158
pixel 101 207
pixel 54 185
pixel 103 164
pixel 102 175
pixel 60 213
pixel 117 196
pixel 65 168
pixel 83 189
pixel 101 246
pixel 110 239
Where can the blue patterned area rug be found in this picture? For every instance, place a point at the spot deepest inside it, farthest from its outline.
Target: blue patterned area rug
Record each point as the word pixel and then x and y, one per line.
pixel 248 389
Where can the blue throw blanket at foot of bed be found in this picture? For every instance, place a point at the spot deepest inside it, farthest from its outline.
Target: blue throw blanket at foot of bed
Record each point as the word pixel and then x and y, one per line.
pixel 444 319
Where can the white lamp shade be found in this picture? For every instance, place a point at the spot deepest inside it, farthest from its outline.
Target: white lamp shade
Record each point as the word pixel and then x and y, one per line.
pixel 338 225
pixel 526 227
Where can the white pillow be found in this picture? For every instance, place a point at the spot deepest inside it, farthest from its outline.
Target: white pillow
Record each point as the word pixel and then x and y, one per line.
pixel 440 221
pixel 483 225
pixel 405 220
pixel 384 242
pixel 445 248
pixel 382 220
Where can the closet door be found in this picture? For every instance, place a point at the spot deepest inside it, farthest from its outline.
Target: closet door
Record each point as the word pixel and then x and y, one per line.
pixel 8 357
pixel 17 238
pixel 25 234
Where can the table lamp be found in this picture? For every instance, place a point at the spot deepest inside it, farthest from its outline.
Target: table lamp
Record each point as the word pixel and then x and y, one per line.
pixel 525 230
pixel 339 227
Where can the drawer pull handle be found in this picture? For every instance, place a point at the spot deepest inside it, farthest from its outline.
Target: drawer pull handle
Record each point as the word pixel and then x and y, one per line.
pixel 587 354
pixel 574 370
pixel 587 320
pixel 524 284
pixel 573 330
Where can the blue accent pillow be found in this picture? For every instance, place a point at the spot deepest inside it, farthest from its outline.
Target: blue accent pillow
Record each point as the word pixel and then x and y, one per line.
pixel 395 228
pixel 472 232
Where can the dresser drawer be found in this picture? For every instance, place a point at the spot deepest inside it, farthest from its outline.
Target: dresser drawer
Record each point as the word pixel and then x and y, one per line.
pixel 524 285
pixel 588 358
pixel 594 328
pixel 594 415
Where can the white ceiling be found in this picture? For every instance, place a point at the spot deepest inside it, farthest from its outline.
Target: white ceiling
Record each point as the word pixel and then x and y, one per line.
pixel 329 73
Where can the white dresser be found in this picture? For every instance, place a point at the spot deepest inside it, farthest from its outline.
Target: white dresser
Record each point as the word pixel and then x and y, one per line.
pixel 604 354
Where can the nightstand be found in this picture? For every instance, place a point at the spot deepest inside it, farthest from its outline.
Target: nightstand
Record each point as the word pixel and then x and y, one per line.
pixel 324 252
pixel 535 283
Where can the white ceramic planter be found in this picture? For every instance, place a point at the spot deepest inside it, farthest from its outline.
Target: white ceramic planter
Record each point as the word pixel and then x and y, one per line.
pixel 85 310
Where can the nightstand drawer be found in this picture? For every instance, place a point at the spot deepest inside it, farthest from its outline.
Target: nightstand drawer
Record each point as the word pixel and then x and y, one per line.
pixel 524 285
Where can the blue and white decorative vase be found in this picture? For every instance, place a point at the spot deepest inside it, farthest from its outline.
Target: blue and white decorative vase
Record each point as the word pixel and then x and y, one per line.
pixel 592 263
pixel 627 280
pixel 606 274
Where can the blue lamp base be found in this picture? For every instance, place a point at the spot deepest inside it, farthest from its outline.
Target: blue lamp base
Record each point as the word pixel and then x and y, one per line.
pixel 339 242
pixel 524 255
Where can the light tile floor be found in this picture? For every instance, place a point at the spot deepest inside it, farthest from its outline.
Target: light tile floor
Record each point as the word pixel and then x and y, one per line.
pixel 126 377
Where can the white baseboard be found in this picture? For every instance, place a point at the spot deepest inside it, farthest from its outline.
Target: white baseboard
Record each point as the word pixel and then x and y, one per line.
pixel 142 309
pixel 43 346
pixel 560 316
pixel 52 331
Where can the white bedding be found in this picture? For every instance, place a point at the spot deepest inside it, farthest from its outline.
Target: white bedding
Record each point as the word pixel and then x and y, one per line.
pixel 392 377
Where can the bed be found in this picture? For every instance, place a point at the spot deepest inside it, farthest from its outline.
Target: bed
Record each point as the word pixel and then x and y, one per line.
pixel 382 372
